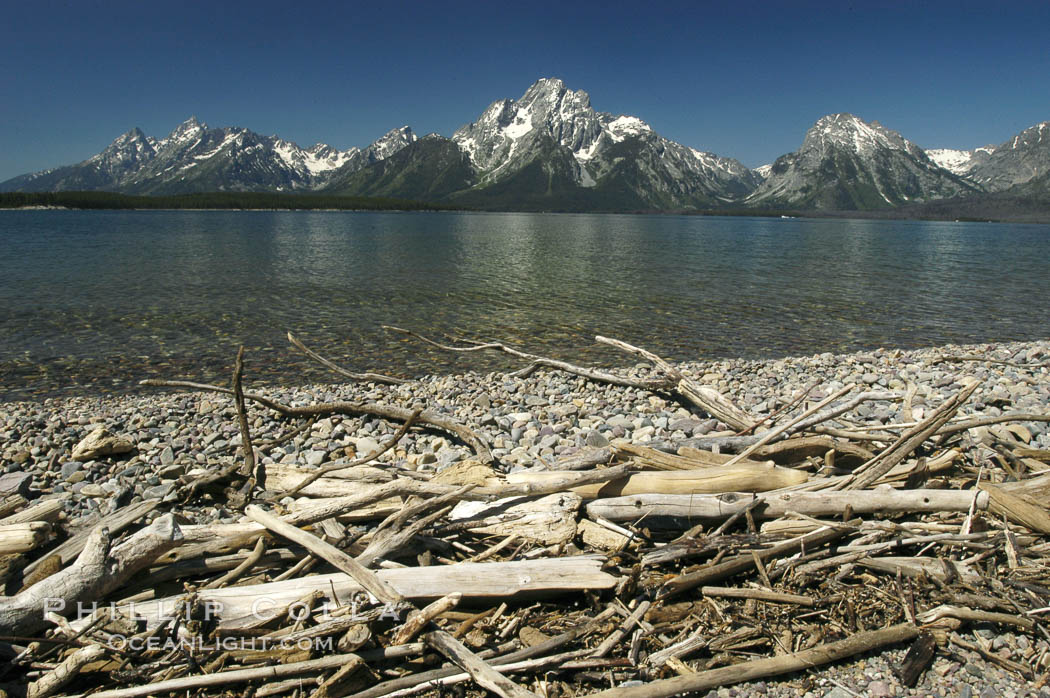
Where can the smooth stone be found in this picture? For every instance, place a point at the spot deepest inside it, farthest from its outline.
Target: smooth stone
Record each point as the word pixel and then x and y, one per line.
pixel 70 467
pixel 595 440
pixel 101 442
pixel 15 483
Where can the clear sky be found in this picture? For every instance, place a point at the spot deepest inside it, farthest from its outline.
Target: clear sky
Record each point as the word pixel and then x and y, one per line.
pixel 738 78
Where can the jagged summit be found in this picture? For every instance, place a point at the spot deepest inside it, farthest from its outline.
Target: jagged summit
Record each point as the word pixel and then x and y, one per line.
pixel 846 163
pixel 581 148
pixel 845 130
pixel 196 157
pixel 550 149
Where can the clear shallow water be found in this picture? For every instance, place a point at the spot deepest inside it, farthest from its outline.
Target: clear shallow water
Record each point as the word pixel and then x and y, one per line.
pixel 95 301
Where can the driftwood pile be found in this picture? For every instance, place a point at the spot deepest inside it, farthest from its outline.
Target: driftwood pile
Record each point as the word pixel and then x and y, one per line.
pixel 629 570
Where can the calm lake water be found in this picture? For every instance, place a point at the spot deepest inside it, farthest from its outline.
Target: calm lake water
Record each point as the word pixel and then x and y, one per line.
pixel 95 301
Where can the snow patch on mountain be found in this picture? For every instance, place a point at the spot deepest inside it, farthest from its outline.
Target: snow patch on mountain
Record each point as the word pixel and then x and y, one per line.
pixel 959 162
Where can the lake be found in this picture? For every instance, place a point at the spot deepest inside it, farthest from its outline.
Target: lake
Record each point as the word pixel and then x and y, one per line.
pixel 94 301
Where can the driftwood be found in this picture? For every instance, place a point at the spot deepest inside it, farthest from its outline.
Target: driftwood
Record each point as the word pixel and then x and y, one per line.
pixel 477 581
pixel 113 523
pixel 772 666
pixel 724 478
pixel 357 409
pixel 800 538
pixel 486 676
pixel 368 377
pixel 48 510
pixel 878 466
pixel 882 500
pixel 670 380
pixel 707 399
pixel 226 678
pixel 100 568
pixel 22 537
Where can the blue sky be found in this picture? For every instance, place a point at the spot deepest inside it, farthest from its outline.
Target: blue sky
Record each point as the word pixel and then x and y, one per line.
pixel 740 79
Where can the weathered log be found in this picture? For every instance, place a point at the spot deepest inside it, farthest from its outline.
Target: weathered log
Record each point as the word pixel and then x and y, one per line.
pixel 768 436
pixel 655 384
pixel 758 594
pixel 741 563
pixel 225 678
pixel 482 580
pixel 361 574
pixel 919 656
pixel 335 467
pixel 770 666
pixel 690 460
pixel 23 537
pixel 878 466
pixel 114 523
pixel 65 672
pixel 734 444
pixel 548 520
pixel 49 510
pixel 1019 508
pixel 773 505
pixel 99 569
pixel 716 479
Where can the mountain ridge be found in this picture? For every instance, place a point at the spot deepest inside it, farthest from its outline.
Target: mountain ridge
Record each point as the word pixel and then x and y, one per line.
pixel 551 150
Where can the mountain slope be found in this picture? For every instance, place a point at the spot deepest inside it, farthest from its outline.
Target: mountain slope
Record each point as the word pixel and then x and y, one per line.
pixel 581 149
pixel 848 164
pixel 1022 158
pixel 196 158
pixel 429 169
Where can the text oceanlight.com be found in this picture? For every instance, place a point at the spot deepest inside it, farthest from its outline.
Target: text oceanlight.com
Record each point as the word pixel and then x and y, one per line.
pixel 262 610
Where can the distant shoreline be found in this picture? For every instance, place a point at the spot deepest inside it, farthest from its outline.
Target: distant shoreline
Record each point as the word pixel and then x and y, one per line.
pixel 264 201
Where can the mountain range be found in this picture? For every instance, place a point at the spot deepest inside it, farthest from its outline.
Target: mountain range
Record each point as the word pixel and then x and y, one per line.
pixel 551 150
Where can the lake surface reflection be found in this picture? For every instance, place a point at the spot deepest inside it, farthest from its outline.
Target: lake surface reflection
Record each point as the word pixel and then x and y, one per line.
pixel 94 301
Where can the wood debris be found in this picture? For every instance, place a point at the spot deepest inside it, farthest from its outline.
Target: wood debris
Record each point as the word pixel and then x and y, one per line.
pixel 774 546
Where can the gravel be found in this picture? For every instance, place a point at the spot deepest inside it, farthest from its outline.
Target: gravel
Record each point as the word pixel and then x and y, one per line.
pixel 529 422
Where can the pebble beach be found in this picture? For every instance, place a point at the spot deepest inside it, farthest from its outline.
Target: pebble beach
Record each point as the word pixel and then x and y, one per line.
pixel 531 422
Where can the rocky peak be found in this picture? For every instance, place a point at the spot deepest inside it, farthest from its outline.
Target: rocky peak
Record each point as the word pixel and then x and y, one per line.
pixel 391 142
pixel 126 152
pixel 847 131
pixel 187 127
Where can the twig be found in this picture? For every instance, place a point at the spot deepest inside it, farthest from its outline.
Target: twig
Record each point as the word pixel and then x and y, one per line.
pixel 771 666
pixel 777 431
pixel 372 377
pixel 390 443
pixel 652 384
pixel 242 419
pixel 483 674
pixel 247 564
pixel 392 412
pixel 360 574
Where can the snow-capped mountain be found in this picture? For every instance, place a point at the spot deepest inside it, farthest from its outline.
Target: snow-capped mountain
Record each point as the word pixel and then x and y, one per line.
pixel 194 157
pixel 846 163
pixel 551 150
pixel 959 162
pixel 995 168
pixel 580 148
pixel 1024 157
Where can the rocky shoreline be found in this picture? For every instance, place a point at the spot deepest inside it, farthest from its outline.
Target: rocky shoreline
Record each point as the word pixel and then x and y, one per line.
pixel 531 422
